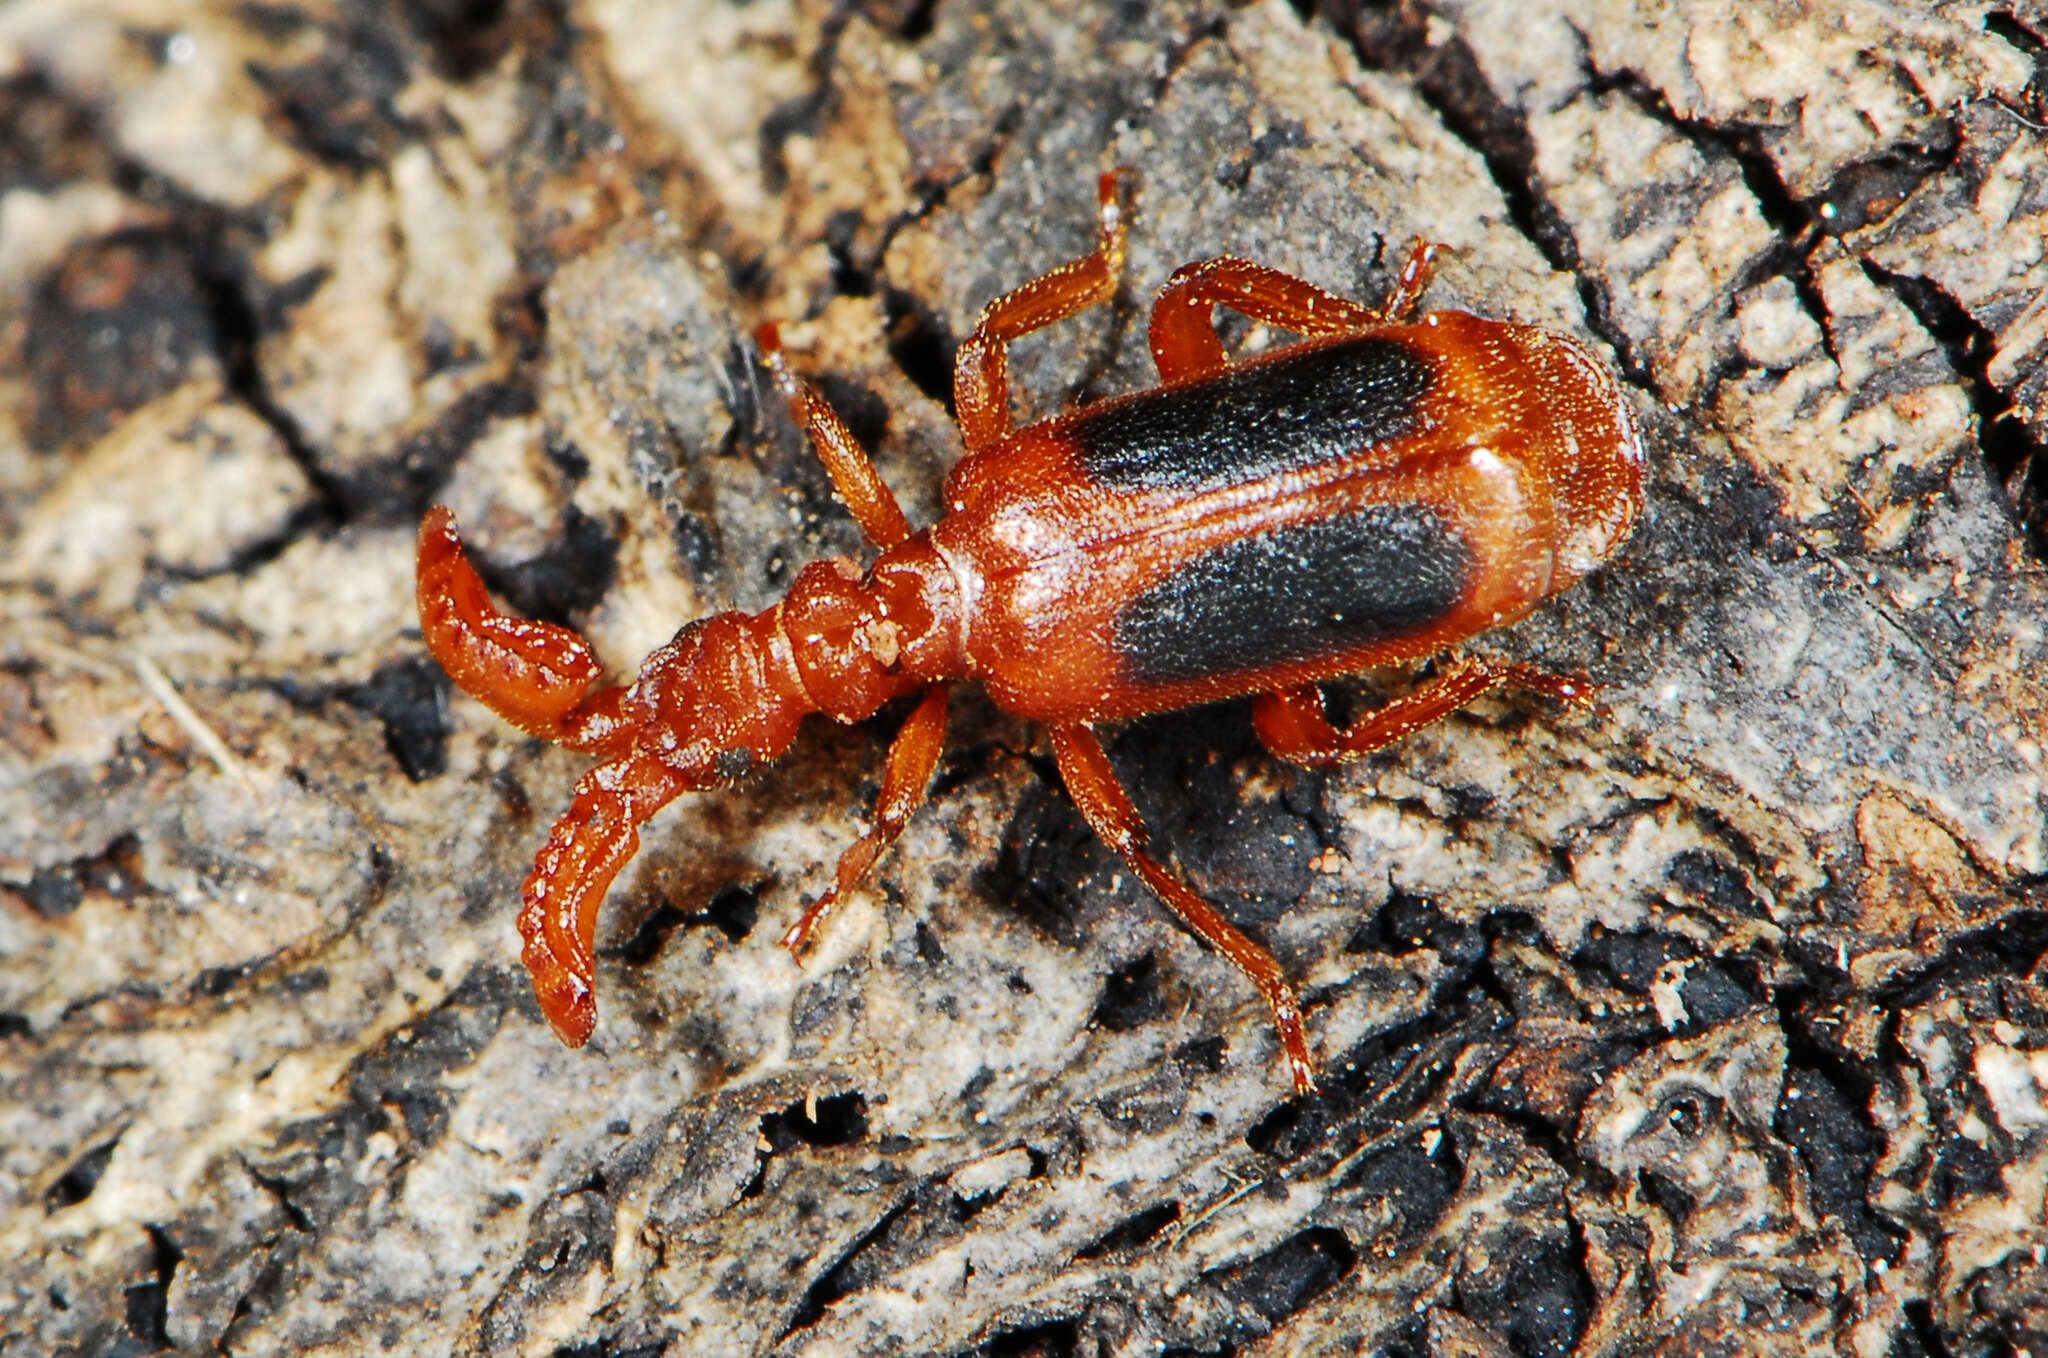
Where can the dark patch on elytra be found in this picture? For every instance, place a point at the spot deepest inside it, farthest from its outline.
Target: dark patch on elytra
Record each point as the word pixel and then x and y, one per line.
pixel 1258 419
pixel 1298 593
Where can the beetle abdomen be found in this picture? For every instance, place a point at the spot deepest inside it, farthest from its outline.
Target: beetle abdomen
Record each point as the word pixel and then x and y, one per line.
pixel 1305 592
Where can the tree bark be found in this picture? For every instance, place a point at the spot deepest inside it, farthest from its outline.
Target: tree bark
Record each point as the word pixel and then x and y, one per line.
pixel 1713 1021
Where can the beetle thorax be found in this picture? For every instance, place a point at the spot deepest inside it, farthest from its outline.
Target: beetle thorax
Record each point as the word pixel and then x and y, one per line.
pixel 859 640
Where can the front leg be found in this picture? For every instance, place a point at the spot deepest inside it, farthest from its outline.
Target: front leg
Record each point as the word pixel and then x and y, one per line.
pixel 905 781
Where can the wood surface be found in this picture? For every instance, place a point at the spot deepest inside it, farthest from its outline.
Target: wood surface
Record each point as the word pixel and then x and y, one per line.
pixel 1713 1022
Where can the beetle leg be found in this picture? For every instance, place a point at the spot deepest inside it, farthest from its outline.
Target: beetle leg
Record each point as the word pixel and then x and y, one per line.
pixel 1183 329
pixel 872 503
pixel 908 775
pixel 1400 304
pixel 572 871
pixel 533 674
pixel 1292 724
pixel 981 369
pixel 1107 807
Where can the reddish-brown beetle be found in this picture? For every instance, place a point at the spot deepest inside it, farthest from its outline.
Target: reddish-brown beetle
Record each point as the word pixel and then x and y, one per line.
pixel 1384 489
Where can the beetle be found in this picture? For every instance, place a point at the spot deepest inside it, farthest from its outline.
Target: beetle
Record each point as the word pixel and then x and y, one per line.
pixel 1392 484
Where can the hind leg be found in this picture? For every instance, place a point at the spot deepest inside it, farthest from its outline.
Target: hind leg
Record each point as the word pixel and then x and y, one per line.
pixel 1291 723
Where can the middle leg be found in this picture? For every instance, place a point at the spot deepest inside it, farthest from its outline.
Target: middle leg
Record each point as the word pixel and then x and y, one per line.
pixel 981 369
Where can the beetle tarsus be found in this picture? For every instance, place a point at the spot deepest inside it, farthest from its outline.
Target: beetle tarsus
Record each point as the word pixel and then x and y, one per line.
pixel 1406 297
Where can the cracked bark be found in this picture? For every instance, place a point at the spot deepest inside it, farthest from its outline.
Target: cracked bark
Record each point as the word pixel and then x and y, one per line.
pixel 1713 1023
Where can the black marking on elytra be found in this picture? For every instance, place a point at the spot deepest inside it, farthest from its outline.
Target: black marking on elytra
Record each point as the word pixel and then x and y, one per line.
pixel 1303 592
pixel 1253 420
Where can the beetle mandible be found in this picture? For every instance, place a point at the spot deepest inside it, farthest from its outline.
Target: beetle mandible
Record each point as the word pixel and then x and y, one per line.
pixel 1394 483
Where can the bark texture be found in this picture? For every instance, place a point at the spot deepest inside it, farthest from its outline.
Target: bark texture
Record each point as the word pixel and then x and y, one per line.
pixel 1715 1022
